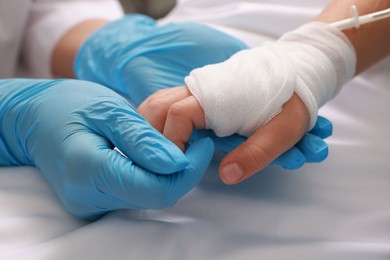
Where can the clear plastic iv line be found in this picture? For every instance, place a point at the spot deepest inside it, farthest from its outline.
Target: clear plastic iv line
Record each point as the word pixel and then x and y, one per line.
pixel 355 21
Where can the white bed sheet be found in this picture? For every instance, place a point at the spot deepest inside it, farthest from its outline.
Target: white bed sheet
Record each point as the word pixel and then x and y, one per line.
pixel 335 210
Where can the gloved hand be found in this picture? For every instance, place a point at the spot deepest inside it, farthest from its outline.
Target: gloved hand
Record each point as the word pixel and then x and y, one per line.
pixel 68 129
pixel 137 57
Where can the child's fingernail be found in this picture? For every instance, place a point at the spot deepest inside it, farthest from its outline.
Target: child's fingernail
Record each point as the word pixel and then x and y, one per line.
pixel 231 173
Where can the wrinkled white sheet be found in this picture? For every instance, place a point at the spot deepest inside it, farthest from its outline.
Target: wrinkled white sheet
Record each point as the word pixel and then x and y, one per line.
pixel 335 210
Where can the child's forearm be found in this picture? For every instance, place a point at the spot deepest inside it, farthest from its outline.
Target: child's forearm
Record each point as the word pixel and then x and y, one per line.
pixel 371 41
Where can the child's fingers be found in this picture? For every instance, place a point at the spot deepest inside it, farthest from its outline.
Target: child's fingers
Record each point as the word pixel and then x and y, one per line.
pixel 156 106
pixel 182 117
pixel 267 143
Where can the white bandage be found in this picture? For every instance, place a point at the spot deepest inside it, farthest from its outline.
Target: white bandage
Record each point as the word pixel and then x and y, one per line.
pixel 249 89
pixel 324 59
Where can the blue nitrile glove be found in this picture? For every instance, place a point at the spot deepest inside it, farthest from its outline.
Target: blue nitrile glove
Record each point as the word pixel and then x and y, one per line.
pixel 68 129
pixel 137 57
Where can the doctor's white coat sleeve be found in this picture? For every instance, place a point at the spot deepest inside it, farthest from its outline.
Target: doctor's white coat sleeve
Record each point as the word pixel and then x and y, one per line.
pixel 49 20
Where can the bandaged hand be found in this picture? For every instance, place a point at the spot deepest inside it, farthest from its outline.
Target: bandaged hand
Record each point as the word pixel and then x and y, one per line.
pixel 249 89
pixel 68 130
pixel 136 57
pixel 243 94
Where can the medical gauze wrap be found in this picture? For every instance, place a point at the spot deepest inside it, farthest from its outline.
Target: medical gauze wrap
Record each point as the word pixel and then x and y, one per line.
pixel 249 89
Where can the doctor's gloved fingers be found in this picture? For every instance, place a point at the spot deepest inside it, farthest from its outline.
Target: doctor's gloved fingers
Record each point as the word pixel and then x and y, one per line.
pixel 292 159
pixel 200 154
pixel 117 121
pixel 313 148
pixel 267 143
pixel 323 128
pixel 139 188
pixel 156 106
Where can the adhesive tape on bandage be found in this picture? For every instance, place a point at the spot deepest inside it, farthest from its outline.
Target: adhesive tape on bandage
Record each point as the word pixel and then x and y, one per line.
pixel 244 92
pixel 249 89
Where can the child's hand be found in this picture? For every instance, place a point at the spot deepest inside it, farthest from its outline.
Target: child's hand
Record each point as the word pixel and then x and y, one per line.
pixel 175 112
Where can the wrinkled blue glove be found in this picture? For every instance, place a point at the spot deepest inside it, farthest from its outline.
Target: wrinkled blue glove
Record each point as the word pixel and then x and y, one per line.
pixel 137 57
pixel 68 129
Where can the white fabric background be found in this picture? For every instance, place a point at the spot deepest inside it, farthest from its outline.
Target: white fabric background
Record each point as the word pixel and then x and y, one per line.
pixel 338 209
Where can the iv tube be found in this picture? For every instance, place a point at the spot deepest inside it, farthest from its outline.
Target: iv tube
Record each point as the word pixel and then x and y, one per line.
pixel 355 21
